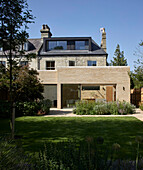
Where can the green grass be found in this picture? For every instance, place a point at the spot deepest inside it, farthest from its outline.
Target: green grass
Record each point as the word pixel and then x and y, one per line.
pixel 37 130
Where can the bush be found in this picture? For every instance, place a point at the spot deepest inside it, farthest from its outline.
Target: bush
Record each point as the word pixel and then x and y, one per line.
pixel 102 108
pixel 27 108
pixel 33 108
pixel 84 108
pixel 44 106
pixel 141 106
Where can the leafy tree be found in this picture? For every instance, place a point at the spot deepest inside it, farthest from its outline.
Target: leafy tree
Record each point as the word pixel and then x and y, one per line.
pixel 14 17
pixel 137 74
pixel 26 85
pixel 119 59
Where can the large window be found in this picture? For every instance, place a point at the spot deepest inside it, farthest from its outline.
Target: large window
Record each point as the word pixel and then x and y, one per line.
pixel 50 65
pixel 81 45
pixel 68 45
pixel 91 63
pixel 90 87
pixel 57 45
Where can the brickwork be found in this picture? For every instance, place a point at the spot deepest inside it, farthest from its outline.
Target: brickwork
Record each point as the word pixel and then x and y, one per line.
pixel 105 75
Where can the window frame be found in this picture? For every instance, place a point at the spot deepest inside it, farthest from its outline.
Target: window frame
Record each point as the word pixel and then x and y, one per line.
pixel 71 61
pixel 50 63
pixel 91 65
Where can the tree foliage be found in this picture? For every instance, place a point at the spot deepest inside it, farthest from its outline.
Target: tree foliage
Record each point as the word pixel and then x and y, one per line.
pixel 14 17
pixel 26 85
pixel 119 59
pixel 137 74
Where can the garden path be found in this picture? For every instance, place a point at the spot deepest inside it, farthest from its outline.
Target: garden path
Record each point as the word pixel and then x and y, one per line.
pixel 54 112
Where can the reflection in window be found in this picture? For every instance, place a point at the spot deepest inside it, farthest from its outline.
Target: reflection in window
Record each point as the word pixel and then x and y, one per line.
pixel 81 45
pixel 50 65
pixel 2 66
pixel 2 63
pixel 71 63
pixel 57 45
pixel 91 63
pixel 24 63
pixel 26 45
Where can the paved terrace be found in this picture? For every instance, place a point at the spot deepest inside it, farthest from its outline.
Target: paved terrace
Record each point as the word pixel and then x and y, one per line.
pixel 54 112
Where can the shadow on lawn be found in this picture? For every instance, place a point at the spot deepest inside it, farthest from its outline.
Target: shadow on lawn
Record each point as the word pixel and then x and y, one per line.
pixel 38 130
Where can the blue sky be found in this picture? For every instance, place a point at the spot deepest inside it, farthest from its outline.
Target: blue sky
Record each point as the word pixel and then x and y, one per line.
pixel 122 19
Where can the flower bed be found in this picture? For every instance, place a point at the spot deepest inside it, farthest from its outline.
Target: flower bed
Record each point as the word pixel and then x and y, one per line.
pixel 103 108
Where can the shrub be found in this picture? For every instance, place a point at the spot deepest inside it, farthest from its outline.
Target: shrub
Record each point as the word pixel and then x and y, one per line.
pixel 84 108
pixel 45 106
pixel 103 108
pixel 27 108
pixel 141 106
pixel 33 108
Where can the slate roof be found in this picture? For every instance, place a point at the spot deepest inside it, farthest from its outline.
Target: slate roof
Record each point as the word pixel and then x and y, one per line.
pixel 36 46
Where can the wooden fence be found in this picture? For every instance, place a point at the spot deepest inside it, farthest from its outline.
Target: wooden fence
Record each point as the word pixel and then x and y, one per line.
pixel 137 96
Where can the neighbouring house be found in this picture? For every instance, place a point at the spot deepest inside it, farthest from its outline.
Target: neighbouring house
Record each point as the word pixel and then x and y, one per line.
pixel 75 68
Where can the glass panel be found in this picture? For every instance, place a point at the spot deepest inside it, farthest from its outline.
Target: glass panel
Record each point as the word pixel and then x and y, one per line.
pixel 81 45
pixel 24 63
pixel 57 45
pixel 71 45
pixel 2 64
pixel 70 95
pixel 71 63
pixel 91 63
pixel 90 87
pixel 50 65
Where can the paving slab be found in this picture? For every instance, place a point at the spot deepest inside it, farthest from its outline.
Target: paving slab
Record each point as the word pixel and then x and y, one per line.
pixel 54 112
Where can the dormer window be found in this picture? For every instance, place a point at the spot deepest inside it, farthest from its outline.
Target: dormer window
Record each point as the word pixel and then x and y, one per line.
pixel 67 44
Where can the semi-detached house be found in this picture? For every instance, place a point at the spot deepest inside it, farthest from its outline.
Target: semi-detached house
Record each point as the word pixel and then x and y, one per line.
pixel 75 68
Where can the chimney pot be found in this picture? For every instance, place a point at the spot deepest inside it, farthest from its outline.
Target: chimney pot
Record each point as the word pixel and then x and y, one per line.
pixel 45 32
pixel 103 41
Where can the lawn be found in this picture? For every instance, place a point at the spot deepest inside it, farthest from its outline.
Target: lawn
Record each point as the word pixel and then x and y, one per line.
pixel 37 130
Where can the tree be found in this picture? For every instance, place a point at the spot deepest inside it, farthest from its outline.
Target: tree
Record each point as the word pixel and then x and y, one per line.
pixel 119 59
pixel 137 74
pixel 14 17
pixel 26 85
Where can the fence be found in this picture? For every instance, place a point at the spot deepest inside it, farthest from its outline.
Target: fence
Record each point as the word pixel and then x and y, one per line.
pixel 137 96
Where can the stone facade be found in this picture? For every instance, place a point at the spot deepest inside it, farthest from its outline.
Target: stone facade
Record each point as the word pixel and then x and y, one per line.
pixel 64 61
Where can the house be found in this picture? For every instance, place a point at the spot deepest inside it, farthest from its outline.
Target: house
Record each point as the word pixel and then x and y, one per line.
pixel 75 68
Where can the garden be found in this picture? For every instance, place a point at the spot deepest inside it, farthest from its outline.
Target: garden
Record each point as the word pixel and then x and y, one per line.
pixel 60 142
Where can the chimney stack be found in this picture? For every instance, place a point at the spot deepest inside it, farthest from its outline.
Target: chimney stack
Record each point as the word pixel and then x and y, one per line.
pixel 103 41
pixel 45 32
